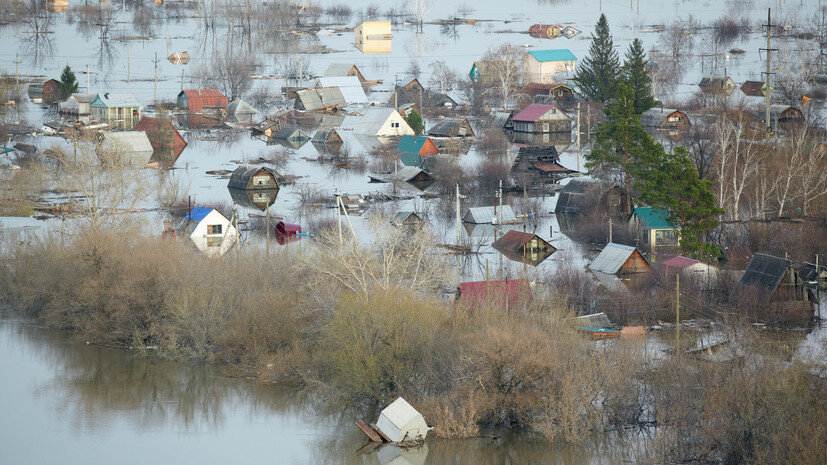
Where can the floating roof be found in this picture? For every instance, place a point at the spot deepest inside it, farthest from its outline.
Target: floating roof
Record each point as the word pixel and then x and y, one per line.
pixel 612 258
pixel 553 55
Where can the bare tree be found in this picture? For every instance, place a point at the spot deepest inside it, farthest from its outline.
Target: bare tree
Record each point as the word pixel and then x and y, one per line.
pixel 229 72
pixel 419 9
pixel 739 160
pixel 443 76
pixel 505 66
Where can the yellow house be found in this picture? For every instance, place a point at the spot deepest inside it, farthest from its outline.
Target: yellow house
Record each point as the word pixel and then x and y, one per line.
pixel 373 37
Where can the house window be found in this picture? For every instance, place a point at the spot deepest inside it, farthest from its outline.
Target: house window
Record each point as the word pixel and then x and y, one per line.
pixel 213 229
pixel 545 127
pixel 666 237
pixel 214 241
pixel 261 180
pixel 394 125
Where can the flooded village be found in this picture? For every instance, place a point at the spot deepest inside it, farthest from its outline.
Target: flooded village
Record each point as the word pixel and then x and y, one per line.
pixel 353 232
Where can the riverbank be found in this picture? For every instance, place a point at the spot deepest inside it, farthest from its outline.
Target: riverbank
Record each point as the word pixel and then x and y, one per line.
pixel 358 328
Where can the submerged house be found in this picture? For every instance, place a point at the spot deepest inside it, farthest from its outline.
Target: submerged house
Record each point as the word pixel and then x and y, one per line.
pixel 414 150
pixel 40 91
pixel 508 293
pixel 406 174
pixel 380 122
pixel 620 259
pixel 327 140
pixel 544 65
pixel 120 111
pixel 344 69
pixel 587 196
pixel 131 148
pixel 290 137
pixel 406 218
pixel 77 105
pixel 349 86
pixel 717 85
pixel 524 247
pixel 210 231
pixel 250 177
pixel 775 281
pixel 545 31
pixel 664 118
pixel 654 230
pixel 167 142
pixel 692 272
pixel 451 127
pixel 373 37
pixel 239 111
pixel 753 88
pixel 198 99
pixel 319 99
pixel 490 215
pixel 537 118
pixel 782 115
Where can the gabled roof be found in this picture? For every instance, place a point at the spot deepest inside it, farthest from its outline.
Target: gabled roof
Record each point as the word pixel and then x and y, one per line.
pixel 444 126
pixel 403 174
pixel 287 133
pixel 202 93
pixel 679 262
pixel 340 69
pixel 482 215
pixel 198 213
pixel 513 240
pixel 322 136
pixel 553 55
pixel 652 218
pixel 84 98
pixel 402 216
pixel 612 258
pixel 373 120
pixel 320 98
pixel 239 107
pixel 241 176
pixel 113 100
pixel 349 86
pixel 765 272
pixel 752 88
pixel 534 112
pixel 656 117
pixel 412 144
pixel 128 141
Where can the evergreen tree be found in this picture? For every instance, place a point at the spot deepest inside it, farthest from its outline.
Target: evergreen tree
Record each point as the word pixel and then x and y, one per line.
pixel 638 77
pixel 68 83
pixel 415 122
pixel 598 74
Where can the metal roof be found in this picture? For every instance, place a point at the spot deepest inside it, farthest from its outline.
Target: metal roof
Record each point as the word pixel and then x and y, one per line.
pixel 444 126
pixel 478 293
pixel 534 112
pixel 679 262
pixel 372 121
pixel 241 176
pixel 340 69
pixel 412 144
pixel 241 110
pixel 611 258
pixel 400 217
pixel 320 98
pixel 198 213
pixel 483 215
pixel 349 86
pixel 113 100
pixel 290 133
pixel 202 93
pixel 553 55
pixel 134 146
pixel 656 117
pixel 652 218
pixel 403 174
pixel 765 272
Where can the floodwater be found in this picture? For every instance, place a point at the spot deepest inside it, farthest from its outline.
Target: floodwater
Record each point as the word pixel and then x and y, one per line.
pixel 63 401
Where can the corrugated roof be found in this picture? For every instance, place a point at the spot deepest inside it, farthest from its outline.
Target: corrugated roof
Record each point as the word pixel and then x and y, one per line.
pixel 656 117
pixel 198 213
pixel 134 145
pixel 349 86
pixel 241 110
pixel 339 69
pixel 513 240
pixel 478 293
pixel 534 112
pixel 652 218
pixel 553 55
pixel 679 262
pixel 411 144
pixel 444 126
pixel 202 93
pixel 483 215
pixel 320 98
pixel 113 100
pixel 611 258
pixel 550 167
pixel 241 176
pixel 400 217
pixel 765 272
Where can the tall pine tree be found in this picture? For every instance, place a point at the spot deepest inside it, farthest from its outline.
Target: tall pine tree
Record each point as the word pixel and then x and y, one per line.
pixel 68 83
pixel 637 77
pixel 598 74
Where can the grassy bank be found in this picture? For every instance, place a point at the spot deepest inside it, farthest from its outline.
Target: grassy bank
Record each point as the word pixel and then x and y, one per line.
pixel 366 324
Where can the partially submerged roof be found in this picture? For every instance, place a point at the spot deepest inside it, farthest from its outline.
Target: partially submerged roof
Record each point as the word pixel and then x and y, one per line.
pixel 652 218
pixel 594 320
pixel 444 126
pixel 349 86
pixel 341 69
pixel 400 422
pixel 412 144
pixel 482 215
pixel 115 100
pixel 372 121
pixel 404 174
pixel 657 117
pixel 612 258
pixel 198 213
pixel 765 272
pixel 402 216
pixel 241 111
pixel 534 112
pixel 513 240
pixel 320 98
pixel 241 176
pixel 133 146
pixel 553 55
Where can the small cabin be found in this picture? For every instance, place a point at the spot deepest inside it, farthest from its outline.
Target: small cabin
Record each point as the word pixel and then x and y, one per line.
pixel 783 116
pixel 250 177
pixel 379 122
pixel 451 127
pixel 619 259
pixel 327 140
pixel 753 88
pixel 717 85
pixel 524 247
pixel 372 30
pixel 664 118
pixel 406 218
pixel 344 69
pixel 210 231
pixel 539 119
pixel 420 145
pixel 776 282
pixel 319 99
pixel 586 197
pixel 654 230
pixel 291 134
pixel 239 111
pixel 543 66
pixel 120 111
pixel 490 215
pixel 692 272
pixel 199 99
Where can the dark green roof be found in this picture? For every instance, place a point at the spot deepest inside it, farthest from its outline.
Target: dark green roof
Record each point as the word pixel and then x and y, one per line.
pixel 411 144
pixel 653 218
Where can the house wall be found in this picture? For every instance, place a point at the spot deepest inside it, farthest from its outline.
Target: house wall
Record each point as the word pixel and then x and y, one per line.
pixel 388 128
pixel 544 73
pixel 635 264
pixel 372 30
pixel 201 238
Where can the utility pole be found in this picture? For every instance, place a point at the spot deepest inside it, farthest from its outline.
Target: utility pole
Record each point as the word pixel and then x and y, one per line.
pixel 578 137
pixel 458 218
pixel 768 90
pixel 589 125
pixel 267 227
pixel 127 61
pixel 237 232
pixel 182 79
pixel 17 75
pixel 610 230
pixel 678 315
pixel 87 79
pixel 156 81
pixel 339 212
pixel 500 211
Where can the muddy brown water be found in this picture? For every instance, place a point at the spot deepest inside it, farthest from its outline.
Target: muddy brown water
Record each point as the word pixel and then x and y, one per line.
pixel 63 401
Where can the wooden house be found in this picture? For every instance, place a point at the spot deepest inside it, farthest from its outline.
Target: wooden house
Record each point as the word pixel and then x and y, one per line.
pixel 344 69
pixel 239 111
pixel 451 127
pixel 506 294
pixel 524 247
pixel 587 197
pixel 543 66
pixel 753 88
pixel 665 118
pixel 257 199
pixel 77 105
pixel 167 142
pixel 545 31
pixel 48 91
pixel 120 111
pixel 407 218
pixel 555 90
pixel 327 140
pixel 619 259
pixel 782 116
pixel 413 84
pixel 776 282
pixel 693 273
pixel 717 85
pixel 654 230
pixel 290 137
pixel 373 37
pixel 319 99
pixel 539 119
pixel 131 148
pixel 199 99
pixel 210 231
pixel 414 149
pixel 251 177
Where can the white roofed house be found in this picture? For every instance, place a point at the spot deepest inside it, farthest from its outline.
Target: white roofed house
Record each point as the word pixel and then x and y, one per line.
pixel 344 69
pixel 132 148
pixel 379 122
pixel 349 86
pixel 210 231
pixel 400 422
pixel 77 105
pixel 120 111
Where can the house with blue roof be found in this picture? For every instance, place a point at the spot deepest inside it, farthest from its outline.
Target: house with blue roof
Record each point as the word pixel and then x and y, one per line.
pixel 120 111
pixel 210 231
pixel 542 66
pixel 653 228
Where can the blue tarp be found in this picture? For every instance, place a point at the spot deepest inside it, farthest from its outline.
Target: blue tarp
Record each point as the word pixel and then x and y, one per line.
pixel 199 213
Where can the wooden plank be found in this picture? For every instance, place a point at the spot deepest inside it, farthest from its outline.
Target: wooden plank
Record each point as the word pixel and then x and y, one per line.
pixel 369 430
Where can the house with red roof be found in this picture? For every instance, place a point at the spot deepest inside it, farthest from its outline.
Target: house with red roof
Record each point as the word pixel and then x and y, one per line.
pixel 167 142
pixel 540 119
pixel 197 99
pixel 692 272
pixel 508 293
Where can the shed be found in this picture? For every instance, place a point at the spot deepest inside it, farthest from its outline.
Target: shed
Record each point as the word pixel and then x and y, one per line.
pixel 399 422
pixel 379 122
pixel 653 228
pixel 409 174
pixel 775 280
pixel 717 85
pixel 594 320
pixel 161 133
pixel 543 65
pixel 506 293
pixel 753 88
pixel 524 247
pixel 120 111
pixel 130 147
pixel 210 231
pixel 406 218
pixel 587 196
pixel 77 105
pixel 327 140
pixel 197 99
pixel 291 134
pixel 501 119
pixel 620 259
pixel 537 118
pixel 344 69
pixel 664 118
pixel 545 31
pixel 47 90
pixel 240 111
pixel 319 99
pixel 782 115
pixel 251 177
pixel 490 215
pixel 700 275
pixel 372 30
pixel 451 127
pixel 349 86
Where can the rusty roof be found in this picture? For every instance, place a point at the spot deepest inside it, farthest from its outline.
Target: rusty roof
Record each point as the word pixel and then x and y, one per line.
pixel 500 292
pixel 513 240
pixel 550 167
pixel 739 253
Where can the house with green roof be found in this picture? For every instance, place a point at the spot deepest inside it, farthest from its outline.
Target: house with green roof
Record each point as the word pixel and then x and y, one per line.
pixel 653 228
pixel 414 149
pixel 543 66
pixel 120 111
